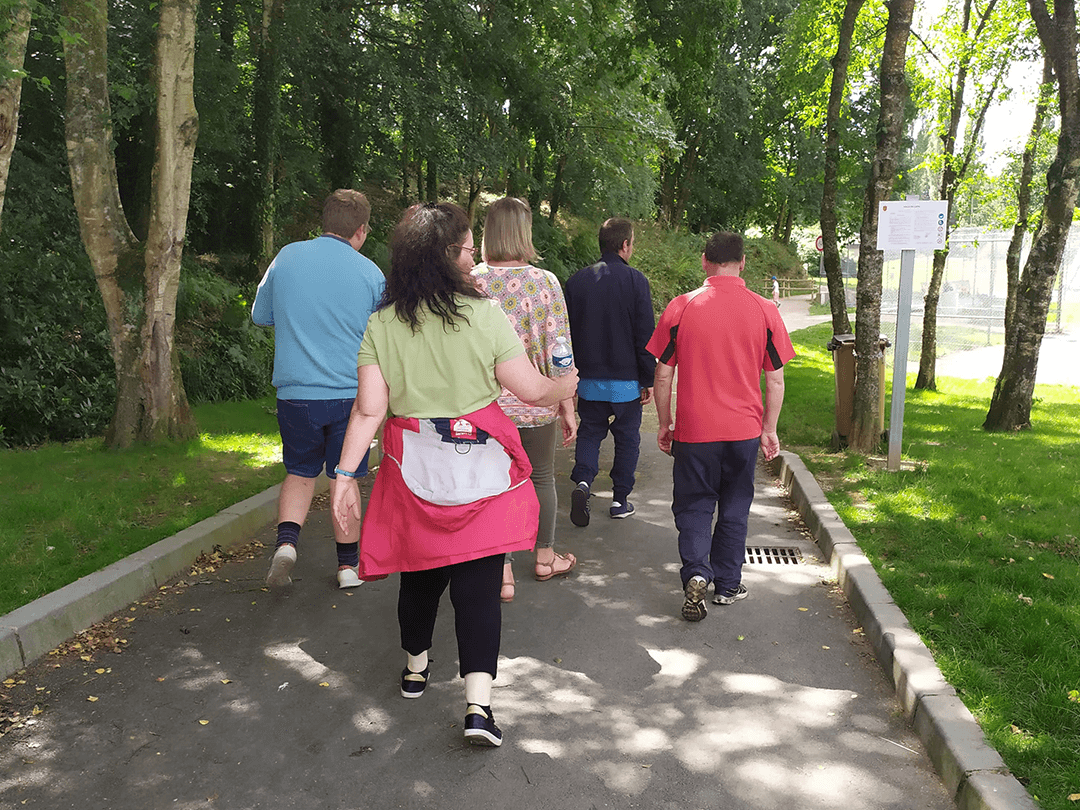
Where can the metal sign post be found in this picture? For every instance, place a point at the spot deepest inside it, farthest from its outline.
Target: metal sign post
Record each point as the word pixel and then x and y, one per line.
pixel 900 353
pixel 906 226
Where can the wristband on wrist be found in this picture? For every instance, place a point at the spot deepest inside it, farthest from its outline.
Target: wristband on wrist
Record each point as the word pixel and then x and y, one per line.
pixel 346 473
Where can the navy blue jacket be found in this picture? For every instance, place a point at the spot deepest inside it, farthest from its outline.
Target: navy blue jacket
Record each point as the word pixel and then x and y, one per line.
pixel 611 320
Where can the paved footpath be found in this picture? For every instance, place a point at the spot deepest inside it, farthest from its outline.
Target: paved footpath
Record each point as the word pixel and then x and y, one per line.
pixel 214 692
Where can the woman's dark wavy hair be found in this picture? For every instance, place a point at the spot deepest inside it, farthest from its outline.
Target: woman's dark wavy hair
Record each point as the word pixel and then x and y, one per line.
pixel 423 272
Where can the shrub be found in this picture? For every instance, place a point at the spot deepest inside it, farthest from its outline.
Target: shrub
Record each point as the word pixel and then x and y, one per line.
pixel 223 355
pixel 56 371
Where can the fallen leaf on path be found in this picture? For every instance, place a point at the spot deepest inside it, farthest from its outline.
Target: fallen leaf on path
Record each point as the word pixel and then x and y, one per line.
pixel 225 680
pixel 324 683
pixel 1048 576
pixel 804 610
pixel 92 699
pixel 204 722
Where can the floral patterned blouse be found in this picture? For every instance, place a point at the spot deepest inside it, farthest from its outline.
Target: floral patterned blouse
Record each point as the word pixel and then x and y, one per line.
pixel 533 301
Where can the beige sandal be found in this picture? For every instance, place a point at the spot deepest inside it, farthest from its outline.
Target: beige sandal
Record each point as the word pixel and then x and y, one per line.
pixel 506 594
pixel 545 571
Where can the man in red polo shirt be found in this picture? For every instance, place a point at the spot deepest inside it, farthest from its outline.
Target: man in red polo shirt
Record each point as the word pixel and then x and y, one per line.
pixel 721 337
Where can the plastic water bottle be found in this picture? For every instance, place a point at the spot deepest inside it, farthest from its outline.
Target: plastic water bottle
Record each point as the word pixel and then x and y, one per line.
pixel 561 356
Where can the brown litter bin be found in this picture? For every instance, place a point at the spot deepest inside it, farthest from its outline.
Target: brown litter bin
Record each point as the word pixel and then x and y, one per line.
pixel 843 352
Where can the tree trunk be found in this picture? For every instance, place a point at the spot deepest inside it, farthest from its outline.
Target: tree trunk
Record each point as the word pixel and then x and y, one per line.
pixel 432 184
pixel 865 427
pixel 139 307
pixel 474 197
pixel 266 117
pixel 404 201
pixel 951 175
pixel 668 181
pixel 686 180
pixel 925 380
pixel 539 170
pixel 1023 204
pixel 557 188
pixel 1010 407
pixel 167 413
pixel 12 52
pixel 830 242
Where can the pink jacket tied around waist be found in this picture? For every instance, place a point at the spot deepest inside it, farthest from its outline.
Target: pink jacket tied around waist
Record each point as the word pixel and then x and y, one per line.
pixel 448 491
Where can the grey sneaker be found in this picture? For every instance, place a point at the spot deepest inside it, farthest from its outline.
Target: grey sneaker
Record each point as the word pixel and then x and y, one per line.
pixel 579 505
pixel 730 596
pixel 693 609
pixel 281 565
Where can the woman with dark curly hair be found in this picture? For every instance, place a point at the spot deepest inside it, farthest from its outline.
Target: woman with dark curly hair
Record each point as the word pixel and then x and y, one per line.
pixel 452 495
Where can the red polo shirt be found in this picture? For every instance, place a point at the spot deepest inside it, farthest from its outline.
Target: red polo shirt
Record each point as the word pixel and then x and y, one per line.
pixel 721 337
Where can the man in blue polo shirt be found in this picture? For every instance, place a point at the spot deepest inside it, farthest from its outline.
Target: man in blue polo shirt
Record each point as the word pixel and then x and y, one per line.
pixel 317 295
pixel 611 320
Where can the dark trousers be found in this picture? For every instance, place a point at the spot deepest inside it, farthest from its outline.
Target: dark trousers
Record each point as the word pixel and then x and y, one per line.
pixel 474 593
pixel 713 477
pixel 595 419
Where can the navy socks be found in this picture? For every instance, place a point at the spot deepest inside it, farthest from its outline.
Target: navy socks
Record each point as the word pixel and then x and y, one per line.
pixel 348 554
pixel 288 533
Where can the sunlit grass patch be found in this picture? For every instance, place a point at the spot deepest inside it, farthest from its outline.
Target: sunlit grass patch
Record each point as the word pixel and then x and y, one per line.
pixel 78 508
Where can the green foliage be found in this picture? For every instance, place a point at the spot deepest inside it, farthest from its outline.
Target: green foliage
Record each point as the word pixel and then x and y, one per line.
pixel 671 259
pixel 56 373
pixel 562 253
pixel 223 355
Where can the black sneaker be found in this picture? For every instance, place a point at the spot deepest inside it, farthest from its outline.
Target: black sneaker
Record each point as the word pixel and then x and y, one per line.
pixel 693 609
pixel 730 596
pixel 579 505
pixel 414 683
pixel 480 728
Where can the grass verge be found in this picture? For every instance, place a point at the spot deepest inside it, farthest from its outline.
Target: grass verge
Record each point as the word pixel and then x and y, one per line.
pixel 978 548
pixel 75 508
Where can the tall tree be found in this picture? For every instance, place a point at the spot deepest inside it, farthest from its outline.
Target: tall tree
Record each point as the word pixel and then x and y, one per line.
pixel 865 429
pixel 974 47
pixel 830 243
pixel 266 119
pixel 12 52
pixel 1023 200
pixel 1010 407
pixel 140 302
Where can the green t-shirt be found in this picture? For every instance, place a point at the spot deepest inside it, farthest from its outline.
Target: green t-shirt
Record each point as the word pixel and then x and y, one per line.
pixel 439 370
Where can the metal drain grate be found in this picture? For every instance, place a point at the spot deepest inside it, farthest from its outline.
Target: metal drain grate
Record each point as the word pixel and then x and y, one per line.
pixel 773 555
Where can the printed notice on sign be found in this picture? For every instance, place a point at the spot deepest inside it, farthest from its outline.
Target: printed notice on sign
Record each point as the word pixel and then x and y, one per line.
pixel 912 225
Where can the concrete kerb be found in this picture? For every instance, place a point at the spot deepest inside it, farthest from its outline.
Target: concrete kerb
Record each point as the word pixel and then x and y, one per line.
pixel 32 630
pixel 970 768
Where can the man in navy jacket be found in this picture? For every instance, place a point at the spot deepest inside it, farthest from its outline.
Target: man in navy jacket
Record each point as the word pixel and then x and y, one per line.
pixel 611 320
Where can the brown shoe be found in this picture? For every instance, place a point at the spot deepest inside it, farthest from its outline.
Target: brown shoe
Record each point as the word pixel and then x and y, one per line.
pixel 562 564
pixel 506 594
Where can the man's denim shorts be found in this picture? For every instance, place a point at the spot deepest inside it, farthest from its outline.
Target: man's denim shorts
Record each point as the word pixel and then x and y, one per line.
pixel 312 432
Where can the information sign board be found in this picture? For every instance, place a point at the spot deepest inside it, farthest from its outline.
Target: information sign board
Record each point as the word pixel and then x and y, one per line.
pixel 912 225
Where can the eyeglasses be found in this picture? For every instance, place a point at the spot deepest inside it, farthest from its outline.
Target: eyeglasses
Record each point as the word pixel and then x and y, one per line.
pixel 472 250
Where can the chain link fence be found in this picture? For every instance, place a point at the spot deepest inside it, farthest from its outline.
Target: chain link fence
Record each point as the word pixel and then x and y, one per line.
pixel 971 306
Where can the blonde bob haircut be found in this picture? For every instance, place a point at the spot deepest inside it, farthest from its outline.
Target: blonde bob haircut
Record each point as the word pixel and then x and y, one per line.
pixel 508 232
